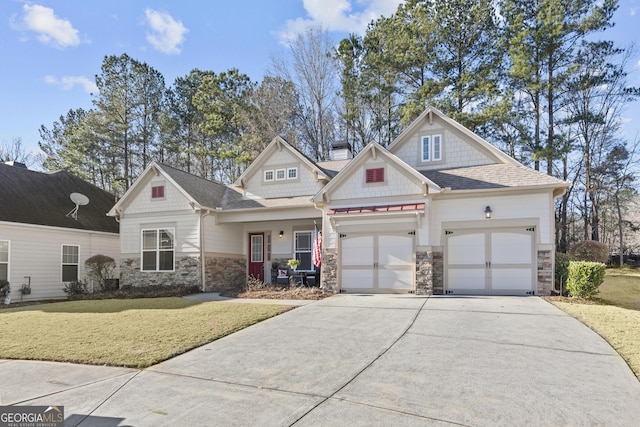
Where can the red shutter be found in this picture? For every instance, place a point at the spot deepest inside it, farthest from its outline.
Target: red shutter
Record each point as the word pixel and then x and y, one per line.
pixel 375 175
pixel 157 192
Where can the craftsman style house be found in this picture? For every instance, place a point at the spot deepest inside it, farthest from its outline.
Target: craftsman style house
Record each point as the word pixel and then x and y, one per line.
pixel 439 211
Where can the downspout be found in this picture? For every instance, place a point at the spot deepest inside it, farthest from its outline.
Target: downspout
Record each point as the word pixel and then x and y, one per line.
pixel 202 251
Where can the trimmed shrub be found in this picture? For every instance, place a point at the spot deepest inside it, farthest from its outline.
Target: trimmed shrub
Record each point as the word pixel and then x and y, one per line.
pixel 75 288
pixel 5 288
pixel 100 268
pixel 590 251
pixel 562 267
pixel 585 278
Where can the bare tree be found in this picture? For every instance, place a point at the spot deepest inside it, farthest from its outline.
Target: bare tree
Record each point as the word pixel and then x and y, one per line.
pixel 15 152
pixel 311 68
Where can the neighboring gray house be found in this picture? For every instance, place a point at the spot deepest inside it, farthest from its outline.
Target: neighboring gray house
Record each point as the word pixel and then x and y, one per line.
pixel 439 211
pixel 42 241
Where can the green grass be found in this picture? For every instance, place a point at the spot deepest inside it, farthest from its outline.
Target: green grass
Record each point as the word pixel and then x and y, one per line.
pixel 614 313
pixel 135 333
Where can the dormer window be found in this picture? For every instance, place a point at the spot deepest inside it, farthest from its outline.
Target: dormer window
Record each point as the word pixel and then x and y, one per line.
pixel 292 173
pixel 431 148
pixel 268 175
pixel 157 192
pixel 375 175
pixel 280 174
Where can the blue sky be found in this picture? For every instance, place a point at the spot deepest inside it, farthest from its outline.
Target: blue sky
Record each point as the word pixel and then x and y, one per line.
pixel 52 50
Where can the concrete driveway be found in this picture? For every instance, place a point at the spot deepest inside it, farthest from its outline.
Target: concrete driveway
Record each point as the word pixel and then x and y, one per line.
pixel 361 360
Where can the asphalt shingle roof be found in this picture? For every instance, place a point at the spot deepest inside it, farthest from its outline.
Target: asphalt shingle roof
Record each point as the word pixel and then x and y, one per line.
pixel 491 177
pixel 31 197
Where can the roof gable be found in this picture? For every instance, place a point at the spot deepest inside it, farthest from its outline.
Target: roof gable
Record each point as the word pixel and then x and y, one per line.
pixel 198 192
pixel 460 147
pixel 351 180
pixel 39 198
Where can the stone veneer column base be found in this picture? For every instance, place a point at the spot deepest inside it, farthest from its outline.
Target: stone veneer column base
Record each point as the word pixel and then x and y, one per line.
pixel 429 273
pixel 225 274
pixel 329 272
pixel 187 273
pixel 545 272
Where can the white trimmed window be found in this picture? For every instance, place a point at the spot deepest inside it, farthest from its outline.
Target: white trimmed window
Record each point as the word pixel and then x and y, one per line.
pixel 70 262
pixel 431 148
pixel 4 260
pixel 280 174
pixel 292 173
pixel 158 249
pixel 268 175
pixel 302 249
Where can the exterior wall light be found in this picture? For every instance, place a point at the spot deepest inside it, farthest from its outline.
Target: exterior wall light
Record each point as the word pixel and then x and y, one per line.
pixel 487 212
pixel 281 235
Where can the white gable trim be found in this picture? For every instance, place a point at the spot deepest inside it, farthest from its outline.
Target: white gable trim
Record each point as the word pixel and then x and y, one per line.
pixel 428 115
pixel 376 151
pixel 134 190
pixel 279 144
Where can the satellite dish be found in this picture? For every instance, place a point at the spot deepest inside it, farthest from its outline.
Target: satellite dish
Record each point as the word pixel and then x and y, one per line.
pixel 80 200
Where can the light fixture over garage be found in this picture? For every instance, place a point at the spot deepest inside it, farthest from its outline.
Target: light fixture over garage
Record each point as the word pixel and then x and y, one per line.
pixel 488 212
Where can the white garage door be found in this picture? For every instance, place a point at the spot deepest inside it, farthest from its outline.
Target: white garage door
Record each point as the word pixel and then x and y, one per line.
pixel 382 263
pixel 498 261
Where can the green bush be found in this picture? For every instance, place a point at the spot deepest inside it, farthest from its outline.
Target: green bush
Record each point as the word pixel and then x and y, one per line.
pixel 585 278
pixel 75 288
pixel 100 268
pixel 562 267
pixel 4 289
pixel 590 251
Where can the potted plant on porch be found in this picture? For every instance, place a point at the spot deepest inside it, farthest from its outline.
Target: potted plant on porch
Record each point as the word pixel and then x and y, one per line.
pixel 293 263
pixel 4 291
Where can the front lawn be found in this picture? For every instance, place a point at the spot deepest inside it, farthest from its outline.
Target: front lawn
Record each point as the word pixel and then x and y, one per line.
pixel 135 333
pixel 614 313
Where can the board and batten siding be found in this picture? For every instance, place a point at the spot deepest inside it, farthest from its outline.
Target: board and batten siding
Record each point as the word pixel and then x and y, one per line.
pixel 36 251
pixel 456 151
pixel 304 185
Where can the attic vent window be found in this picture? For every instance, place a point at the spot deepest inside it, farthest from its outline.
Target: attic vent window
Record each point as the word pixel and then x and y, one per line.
pixel 375 175
pixel 268 175
pixel 292 173
pixel 431 148
pixel 280 174
pixel 157 192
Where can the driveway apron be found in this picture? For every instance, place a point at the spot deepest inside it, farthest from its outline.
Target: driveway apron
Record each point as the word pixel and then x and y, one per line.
pixel 375 360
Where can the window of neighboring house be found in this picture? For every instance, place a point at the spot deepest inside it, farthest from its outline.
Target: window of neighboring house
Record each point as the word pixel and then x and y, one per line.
pixel 70 262
pixel 280 174
pixel 157 192
pixel 158 249
pixel 302 249
pixel 431 148
pixel 292 173
pixel 268 175
pixel 375 175
pixel 4 260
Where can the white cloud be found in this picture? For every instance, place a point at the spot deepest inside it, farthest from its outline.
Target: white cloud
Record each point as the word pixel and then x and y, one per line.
pixel 69 82
pixel 51 30
pixel 166 34
pixel 338 15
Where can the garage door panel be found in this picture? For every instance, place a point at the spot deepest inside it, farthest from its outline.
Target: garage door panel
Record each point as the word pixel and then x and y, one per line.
pixel 492 261
pixel 396 279
pixel 466 278
pixel 511 278
pixel 357 279
pixel 395 250
pixel 358 250
pixel 466 249
pixel 511 248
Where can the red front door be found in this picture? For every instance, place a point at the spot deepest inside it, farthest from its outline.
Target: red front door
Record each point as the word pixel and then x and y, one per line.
pixel 256 255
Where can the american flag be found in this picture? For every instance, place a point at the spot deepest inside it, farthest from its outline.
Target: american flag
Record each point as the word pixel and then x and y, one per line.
pixel 317 247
